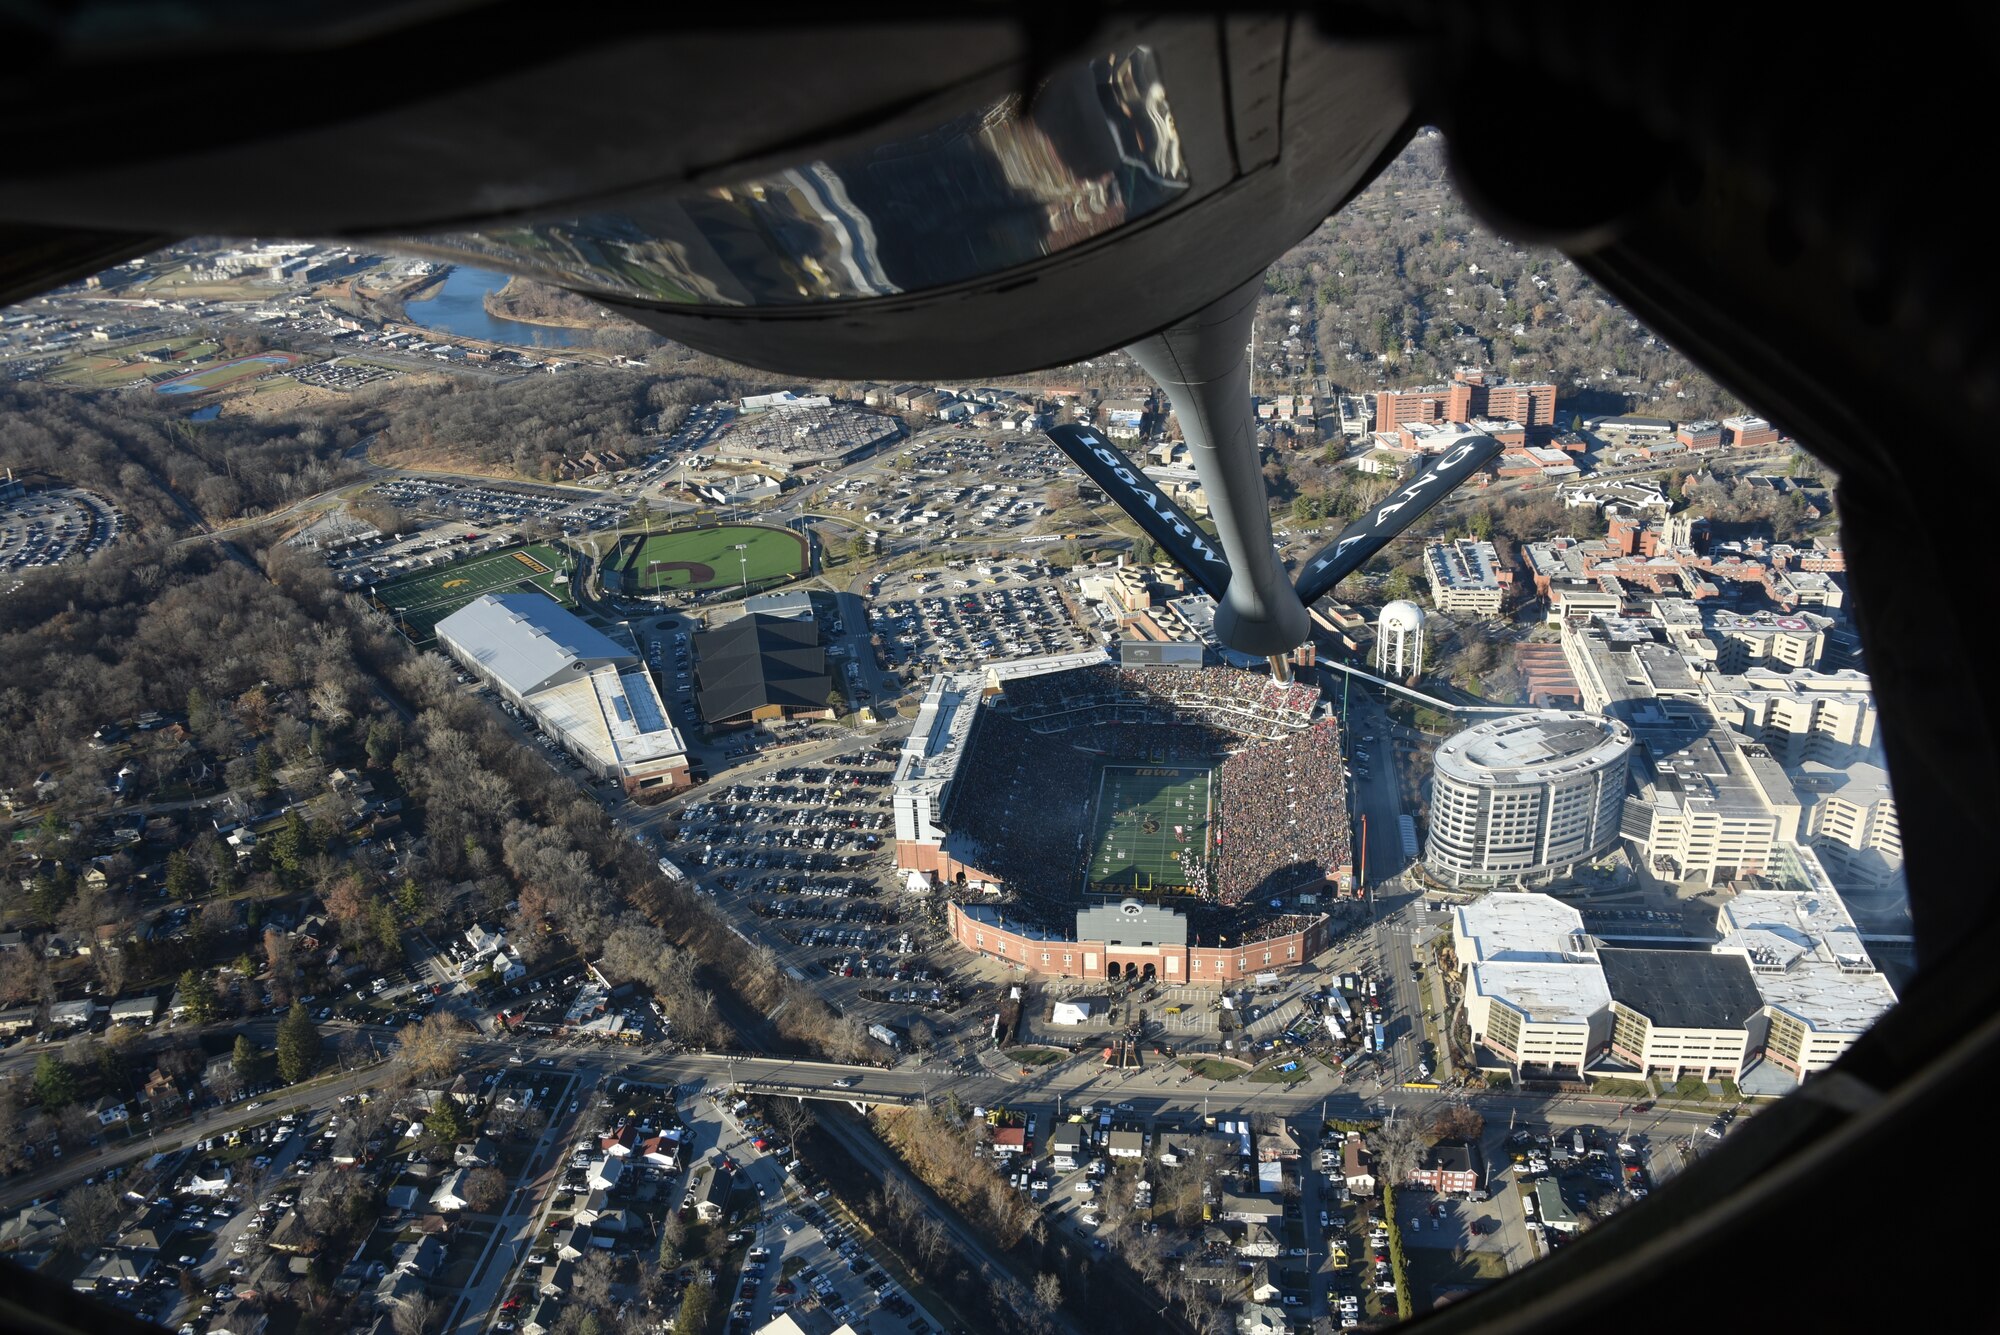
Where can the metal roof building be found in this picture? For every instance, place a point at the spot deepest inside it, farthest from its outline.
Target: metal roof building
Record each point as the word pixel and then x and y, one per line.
pixel 585 689
pixel 526 642
pixel 761 667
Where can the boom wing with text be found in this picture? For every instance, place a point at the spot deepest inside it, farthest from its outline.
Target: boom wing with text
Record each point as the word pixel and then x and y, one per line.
pixel 1402 507
pixel 1139 496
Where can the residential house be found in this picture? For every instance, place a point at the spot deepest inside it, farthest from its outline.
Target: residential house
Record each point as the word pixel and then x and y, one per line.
pixel 238 1316
pixel 572 1241
pixel 150 1233
pixel 110 1270
pixel 711 1194
pixel 1251 1209
pixel 1066 1146
pixel 1009 1140
pixel 1258 1240
pixel 542 1317
pixel 450 1194
pixel 1451 1168
pixel 30 1228
pixel 160 1092
pixel 604 1174
pixel 1354 1165
pixel 557 1278
pixel 480 1153
pixel 1276 1142
pixel 110 1111
pixel 398 1287
pixel 1126 1145
pixel 75 1014
pixel 422 1257
pixel 594 1209
pixel 662 1151
pixel 1177 1148
pixel 1261 1319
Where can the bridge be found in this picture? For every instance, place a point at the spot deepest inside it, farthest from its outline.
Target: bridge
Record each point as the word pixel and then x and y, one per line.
pixel 1411 693
pixel 860 1100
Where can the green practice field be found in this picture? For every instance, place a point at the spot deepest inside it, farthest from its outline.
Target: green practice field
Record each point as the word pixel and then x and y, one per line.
pixel 419 601
pixel 706 558
pixel 1133 841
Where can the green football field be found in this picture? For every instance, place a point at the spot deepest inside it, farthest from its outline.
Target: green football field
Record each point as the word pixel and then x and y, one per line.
pixel 420 600
pixel 705 558
pixel 1134 844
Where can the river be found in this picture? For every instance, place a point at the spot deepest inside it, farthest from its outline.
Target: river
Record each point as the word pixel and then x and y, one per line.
pixel 457 306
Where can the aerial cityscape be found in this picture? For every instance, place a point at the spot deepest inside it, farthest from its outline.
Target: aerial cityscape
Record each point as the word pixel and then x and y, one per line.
pixel 516 824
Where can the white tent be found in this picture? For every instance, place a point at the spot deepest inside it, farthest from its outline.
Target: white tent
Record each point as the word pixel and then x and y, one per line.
pixel 917 883
pixel 1071 1012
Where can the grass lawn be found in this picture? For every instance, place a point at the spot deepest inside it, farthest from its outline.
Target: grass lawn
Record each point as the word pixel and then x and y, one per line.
pixel 706 558
pixel 1212 1069
pixel 1036 1056
pixel 467 1241
pixel 1271 1075
pixel 1621 1089
pixel 1434 1272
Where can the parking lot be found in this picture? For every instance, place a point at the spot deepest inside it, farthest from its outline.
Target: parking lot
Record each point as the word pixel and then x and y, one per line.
pixel 967 625
pixel 48 527
pixel 803 854
pixel 343 376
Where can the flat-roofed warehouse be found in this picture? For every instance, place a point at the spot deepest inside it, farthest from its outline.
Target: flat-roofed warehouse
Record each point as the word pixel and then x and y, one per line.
pixel 761 667
pixel 585 689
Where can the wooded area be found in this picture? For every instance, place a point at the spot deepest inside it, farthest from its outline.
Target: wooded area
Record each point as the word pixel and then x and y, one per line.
pixel 1406 274
pixel 143 452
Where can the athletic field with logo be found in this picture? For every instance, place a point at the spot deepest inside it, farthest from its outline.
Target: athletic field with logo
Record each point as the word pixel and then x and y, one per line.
pixel 423 598
pixel 1149 829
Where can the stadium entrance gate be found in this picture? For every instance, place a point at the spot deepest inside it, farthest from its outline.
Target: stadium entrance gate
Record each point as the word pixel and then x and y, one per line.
pixel 1133 971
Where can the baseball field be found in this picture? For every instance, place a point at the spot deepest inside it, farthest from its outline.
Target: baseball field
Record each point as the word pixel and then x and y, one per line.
pixel 707 558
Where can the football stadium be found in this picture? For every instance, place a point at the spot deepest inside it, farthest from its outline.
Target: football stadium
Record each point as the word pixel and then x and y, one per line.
pixel 1087 820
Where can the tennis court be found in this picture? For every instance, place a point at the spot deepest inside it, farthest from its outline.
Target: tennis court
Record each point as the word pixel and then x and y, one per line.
pixel 420 600
pixel 1149 828
pixel 706 558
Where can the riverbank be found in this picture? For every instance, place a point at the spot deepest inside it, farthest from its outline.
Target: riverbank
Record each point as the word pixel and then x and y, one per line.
pixel 391 303
pixel 501 306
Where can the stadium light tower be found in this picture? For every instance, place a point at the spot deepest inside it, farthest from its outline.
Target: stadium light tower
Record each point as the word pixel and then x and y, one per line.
pixel 743 560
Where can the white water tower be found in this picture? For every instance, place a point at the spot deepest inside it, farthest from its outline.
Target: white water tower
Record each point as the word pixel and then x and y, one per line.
pixel 1399 641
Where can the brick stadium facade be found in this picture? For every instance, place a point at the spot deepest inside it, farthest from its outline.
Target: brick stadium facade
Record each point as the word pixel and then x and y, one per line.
pixel 983 931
